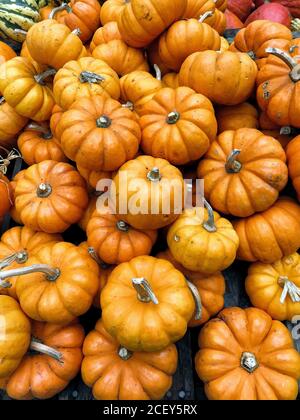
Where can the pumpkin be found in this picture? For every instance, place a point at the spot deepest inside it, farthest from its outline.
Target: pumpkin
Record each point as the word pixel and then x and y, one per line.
pixel 196 8
pixel 51 196
pixel 93 177
pixel 79 14
pixel 275 288
pixel 24 87
pixel 6 53
pixel 154 57
pixel 37 144
pixel 232 21
pixel 272 12
pixel 99 134
pixel 120 57
pixel 15 335
pixel 292 5
pixel 224 44
pixel 177 125
pixel 53 44
pixel 57 284
pixel 45 11
pixel 226 78
pixel 49 369
pixel 293 154
pixel 138 87
pixel 25 53
pixel 13 212
pixel 16 246
pixel 115 241
pixel 144 181
pixel 184 38
pixel 217 21
pixel 19 14
pixel 243 172
pixel 201 240
pixel 82 79
pixel 211 289
pixel 282 134
pixel 5 188
pixel 83 222
pixel 234 117
pixel 171 80
pixel 148 375
pixel 11 123
pixel 56 115
pixel 277 83
pixel 244 355
pixel 260 35
pixel 106 33
pixel 146 304
pixel 221 5
pixel 110 10
pixel 270 235
pixel 241 8
pixel 140 21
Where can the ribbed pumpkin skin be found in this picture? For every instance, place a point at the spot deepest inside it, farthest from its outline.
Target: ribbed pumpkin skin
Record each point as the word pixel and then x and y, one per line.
pixel 105 34
pixel 271 235
pixel 234 117
pixel 17 14
pixel 293 157
pixel 196 8
pixel 6 53
pixel 11 123
pixel 110 10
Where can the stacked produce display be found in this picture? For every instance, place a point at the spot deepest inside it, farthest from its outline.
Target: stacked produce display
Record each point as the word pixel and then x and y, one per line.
pixel 151 89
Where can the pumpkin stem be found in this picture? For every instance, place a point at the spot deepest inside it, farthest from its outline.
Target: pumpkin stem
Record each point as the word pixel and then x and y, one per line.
pixel 157 72
pixel 209 225
pixel 63 6
pixel 40 78
pixel 19 257
pixel 52 274
pixel 197 299
pixel 289 288
pixel 129 105
pixel 44 190
pixel 173 117
pixel 124 354
pixel 89 77
pixel 233 166
pixel 144 290
pixel 103 122
pixel 252 55
pixel 206 15
pixel 76 32
pixel 37 346
pixel 154 175
pixel 122 226
pixel 22 33
pixel 286 131
pixel 4 162
pixel 288 60
pixel 46 133
pixel 92 252
pixel 2 100
pixel 249 362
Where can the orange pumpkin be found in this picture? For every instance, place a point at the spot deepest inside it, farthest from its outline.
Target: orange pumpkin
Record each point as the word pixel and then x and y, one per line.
pixel 53 44
pixel 45 11
pixel 177 125
pixel 51 196
pixel 97 133
pixel 143 181
pixel 196 8
pixel 293 155
pixel 171 80
pixel 11 123
pixel 115 241
pixel 244 355
pixel 221 5
pixel 120 57
pixel 154 57
pixel 79 14
pixel 148 375
pixel 270 235
pixel 282 134
pixel 234 117
pixel 6 53
pixel 13 212
pixel 16 246
pixel 110 10
pixel 243 172
pixel 37 144
pixel 211 289
pixel 275 288
pixel 49 369
pixel 83 79
pixel 226 78
pixel 56 115
pixel 93 177
pixel 106 33
pixel 146 304
pixel 217 21
pixel 140 21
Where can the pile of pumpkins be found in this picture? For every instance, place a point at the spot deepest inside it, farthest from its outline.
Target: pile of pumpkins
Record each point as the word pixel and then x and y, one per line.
pixel 148 88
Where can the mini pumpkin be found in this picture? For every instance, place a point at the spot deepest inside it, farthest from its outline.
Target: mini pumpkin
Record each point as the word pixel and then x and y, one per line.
pixel 217 21
pixel 93 177
pixel 99 134
pixel 6 192
pixel 37 144
pixel 6 53
pixel 196 8
pixel 55 360
pixel 203 241
pixel 275 288
pixel 16 246
pixel 120 57
pixel 293 155
pixel 11 123
pixel 177 125
pixel 56 115
pixel 15 335
pixel 244 355
pixel 226 78
pixel 243 172
pixel 53 44
pixel 224 44
pixel 106 33
pixel 146 304
pixel 270 235
pixel 154 57
pixel 171 80
pixel 82 79
pixel 110 10
pixel 25 88
pixel 144 181
pixel 51 196
pixel 13 212
pixel 234 117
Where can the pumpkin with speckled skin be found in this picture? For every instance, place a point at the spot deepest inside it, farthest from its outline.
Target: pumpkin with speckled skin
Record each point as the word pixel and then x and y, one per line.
pixel 293 156
pixel 234 117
